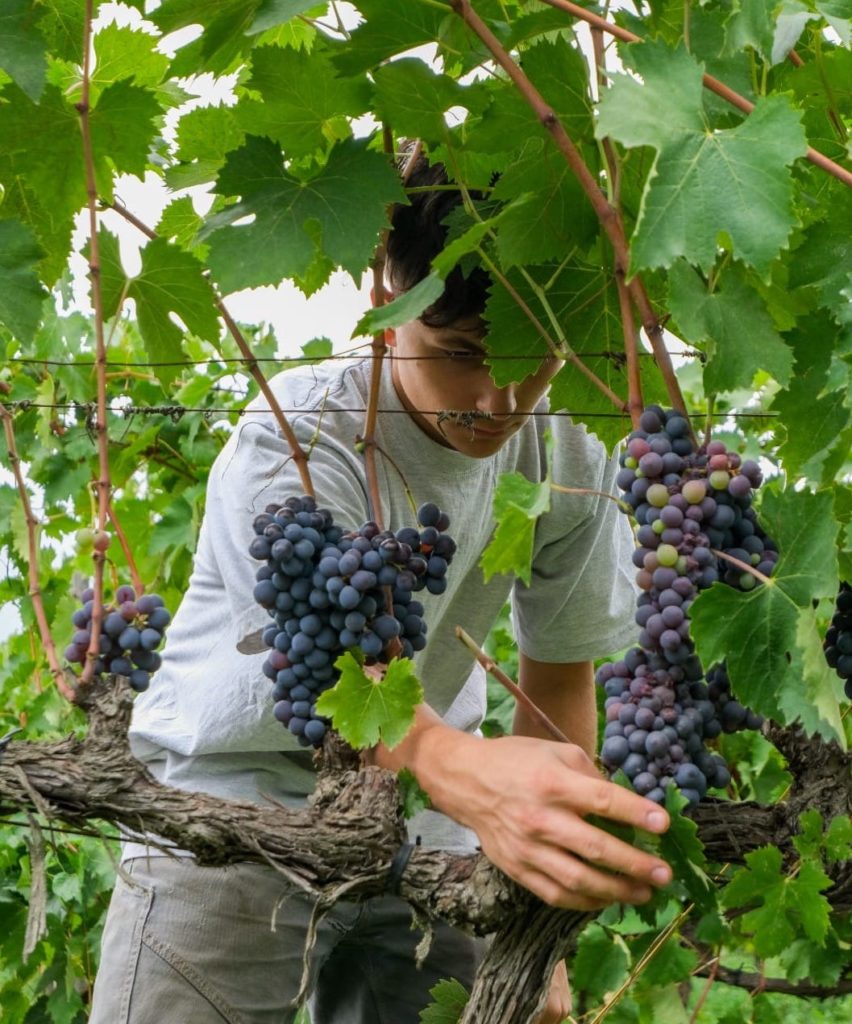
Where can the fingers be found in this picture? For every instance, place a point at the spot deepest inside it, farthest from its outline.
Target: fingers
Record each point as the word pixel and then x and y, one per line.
pixel 597 796
pixel 571 880
pixel 555 894
pixel 599 848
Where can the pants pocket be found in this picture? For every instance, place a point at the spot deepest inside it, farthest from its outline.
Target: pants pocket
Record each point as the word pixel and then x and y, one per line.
pixel 121 946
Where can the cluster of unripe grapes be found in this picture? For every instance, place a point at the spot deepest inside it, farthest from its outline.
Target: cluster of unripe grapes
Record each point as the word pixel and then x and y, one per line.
pixel 131 630
pixel 695 526
pixel 838 638
pixel 330 590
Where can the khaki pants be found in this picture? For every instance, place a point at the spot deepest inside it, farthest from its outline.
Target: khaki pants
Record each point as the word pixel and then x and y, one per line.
pixel 190 945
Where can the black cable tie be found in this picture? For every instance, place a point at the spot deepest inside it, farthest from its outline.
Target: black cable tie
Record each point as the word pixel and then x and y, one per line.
pixel 398 866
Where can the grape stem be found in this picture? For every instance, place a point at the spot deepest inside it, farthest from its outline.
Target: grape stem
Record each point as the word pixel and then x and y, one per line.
pixel 635 401
pixel 708 81
pixel 379 345
pixel 103 481
pixel 135 578
pixel 490 665
pixel 740 564
pixel 600 494
pixel 251 364
pixel 34 592
pixel 609 217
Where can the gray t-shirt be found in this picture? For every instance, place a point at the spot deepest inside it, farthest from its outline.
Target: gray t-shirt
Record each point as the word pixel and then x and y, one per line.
pixel 206 722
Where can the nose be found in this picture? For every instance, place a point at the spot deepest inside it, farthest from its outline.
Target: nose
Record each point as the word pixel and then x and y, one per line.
pixel 497 401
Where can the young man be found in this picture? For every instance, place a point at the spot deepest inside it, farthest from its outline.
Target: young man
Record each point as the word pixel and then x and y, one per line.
pixel 189 944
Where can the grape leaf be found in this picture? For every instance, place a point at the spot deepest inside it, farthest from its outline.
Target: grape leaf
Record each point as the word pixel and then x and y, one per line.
pixel 122 52
pixel 547 215
pixel 449 1000
pixel 22 49
pixel 204 136
pixel 413 798
pixel 171 282
pixel 123 129
pixel 45 184
pixel 271 13
pixel 704 183
pixel 366 711
pixel 824 261
pixel 791 16
pixel 382 36
pixel 773 626
pixel 518 503
pixel 404 308
pixel 731 324
pixel 683 850
pixel 300 96
pixel 113 279
pixel 21 292
pixel 180 223
pixel 345 204
pixel 413 98
pixel 584 300
pixel 838 839
pixel 750 24
pixel 824 416
pixel 600 963
pixel 784 905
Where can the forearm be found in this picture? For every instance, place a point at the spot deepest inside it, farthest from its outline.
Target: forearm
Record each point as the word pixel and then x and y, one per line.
pixel 566 694
pixel 434 752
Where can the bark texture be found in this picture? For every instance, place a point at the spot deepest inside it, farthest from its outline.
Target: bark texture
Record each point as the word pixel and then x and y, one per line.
pixel 347 836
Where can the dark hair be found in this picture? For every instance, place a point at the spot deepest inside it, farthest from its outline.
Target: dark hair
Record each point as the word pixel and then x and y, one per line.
pixel 418 234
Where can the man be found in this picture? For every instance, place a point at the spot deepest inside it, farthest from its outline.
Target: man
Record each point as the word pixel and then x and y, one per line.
pixel 194 945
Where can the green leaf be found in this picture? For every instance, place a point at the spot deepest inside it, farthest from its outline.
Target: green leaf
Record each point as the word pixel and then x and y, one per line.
pixel 731 324
pixel 121 52
pixel 272 13
pixel 382 36
pixel 683 850
pixel 809 840
pixel 750 24
pixel 404 308
pixel 790 20
pixel 518 503
pixel 365 711
pixel 838 839
pixel 113 279
pixel 449 1000
pixel 414 799
pixel 600 963
pixel 176 528
pixel 45 185
pixel 122 131
pixel 411 97
pixel 21 292
pixel 704 183
pixel 301 95
pixel 339 212
pixel 773 625
pixel 824 260
pixel 22 49
pixel 171 282
pixel 180 224
pixel 547 214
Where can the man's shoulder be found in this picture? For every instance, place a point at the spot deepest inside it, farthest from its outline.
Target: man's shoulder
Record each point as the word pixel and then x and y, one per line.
pixel 310 387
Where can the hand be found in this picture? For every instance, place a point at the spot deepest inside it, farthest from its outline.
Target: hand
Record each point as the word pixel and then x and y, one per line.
pixel 527 800
pixel 559 1003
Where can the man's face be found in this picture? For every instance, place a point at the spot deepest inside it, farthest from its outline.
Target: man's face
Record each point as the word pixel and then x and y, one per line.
pixel 439 369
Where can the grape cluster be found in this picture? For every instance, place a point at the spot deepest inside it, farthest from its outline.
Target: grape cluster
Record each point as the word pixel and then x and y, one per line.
pixel 838 638
pixel 695 525
pixel 131 631
pixel 329 591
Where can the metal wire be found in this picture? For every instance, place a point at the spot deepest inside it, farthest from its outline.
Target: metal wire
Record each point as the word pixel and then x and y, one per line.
pixel 177 411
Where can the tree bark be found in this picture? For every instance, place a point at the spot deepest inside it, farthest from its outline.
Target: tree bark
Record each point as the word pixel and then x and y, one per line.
pixel 351 828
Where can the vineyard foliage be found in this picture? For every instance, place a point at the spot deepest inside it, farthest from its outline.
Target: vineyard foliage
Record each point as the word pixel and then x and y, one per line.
pixel 742 244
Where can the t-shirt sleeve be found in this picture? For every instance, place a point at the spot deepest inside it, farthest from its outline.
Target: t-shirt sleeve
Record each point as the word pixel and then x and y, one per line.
pixel 580 602
pixel 256 469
